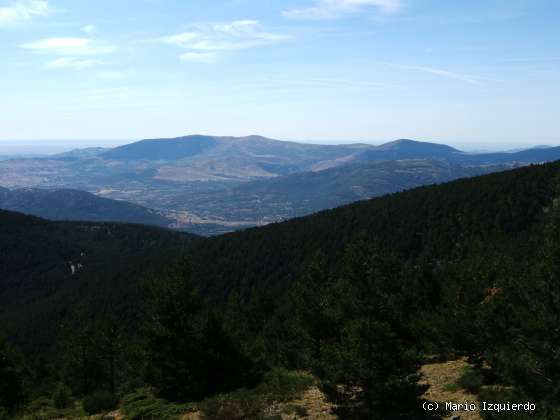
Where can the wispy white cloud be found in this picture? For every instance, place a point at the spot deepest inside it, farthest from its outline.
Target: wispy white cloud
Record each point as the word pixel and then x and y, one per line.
pixel 72 63
pixel 532 60
pixel 332 9
pixel 111 75
pixel 322 82
pixel 70 53
pixel 70 46
pixel 89 29
pixel 204 41
pixel 466 78
pixel 199 57
pixel 106 95
pixel 21 11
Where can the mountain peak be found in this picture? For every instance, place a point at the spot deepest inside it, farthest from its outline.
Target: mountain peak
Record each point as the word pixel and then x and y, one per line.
pixel 414 145
pixel 162 149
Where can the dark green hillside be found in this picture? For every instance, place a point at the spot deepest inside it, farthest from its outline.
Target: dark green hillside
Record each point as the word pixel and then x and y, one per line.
pixel 68 204
pixel 440 222
pixel 361 296
pixel 36 260
pixel 427 221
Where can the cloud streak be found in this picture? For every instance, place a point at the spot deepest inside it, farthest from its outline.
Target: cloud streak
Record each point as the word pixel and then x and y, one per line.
pixel 204 41
pixel 333 9
pixel 23 11
pixel 69 46
pixel 199 57
pixel 70 53
pixel 72 63
pixel 466 78
pixel 88 29
pixel 448 74
pixel 328 82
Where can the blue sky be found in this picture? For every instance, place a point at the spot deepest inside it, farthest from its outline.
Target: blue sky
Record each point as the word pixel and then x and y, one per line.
pixel 464 72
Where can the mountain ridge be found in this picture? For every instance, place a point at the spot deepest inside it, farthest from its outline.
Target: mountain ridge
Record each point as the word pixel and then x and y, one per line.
pixel 183 178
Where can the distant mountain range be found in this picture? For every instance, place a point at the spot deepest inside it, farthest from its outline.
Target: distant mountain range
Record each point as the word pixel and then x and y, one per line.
pixel 214 184
pixel 204 158
pixel 411 149
pixel 281 157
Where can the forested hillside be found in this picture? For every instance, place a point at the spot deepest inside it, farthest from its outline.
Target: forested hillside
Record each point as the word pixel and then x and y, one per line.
pixel 77 205
pixel 360 296
pixel 47 267
pixel 441 222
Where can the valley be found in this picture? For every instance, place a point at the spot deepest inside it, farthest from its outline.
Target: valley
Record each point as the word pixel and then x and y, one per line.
pixel 211 185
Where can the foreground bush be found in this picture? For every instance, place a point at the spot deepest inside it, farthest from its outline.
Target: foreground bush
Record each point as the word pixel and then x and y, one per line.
pixel 62 397
pixel 100 401
pixel 142 405
pixel 279 385
pixel 471 381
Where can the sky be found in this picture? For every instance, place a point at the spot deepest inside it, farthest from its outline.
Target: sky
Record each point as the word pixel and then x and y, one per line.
pixel 473 73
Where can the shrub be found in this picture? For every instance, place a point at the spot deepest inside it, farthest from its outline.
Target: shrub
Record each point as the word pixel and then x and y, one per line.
pixel 278 385
pixel 283 385
pixel 142 405
pixel 100 401
pixel 471 381
pixel 61 397
pixel 504 395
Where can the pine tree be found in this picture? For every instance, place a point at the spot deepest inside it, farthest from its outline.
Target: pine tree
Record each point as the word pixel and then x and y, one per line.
pixel 371 353
pixel 528 355
pixel 191 354
pixel 313 299
pixel 83 368
pixel 173 334
pixel 111 348
pixel 11 377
